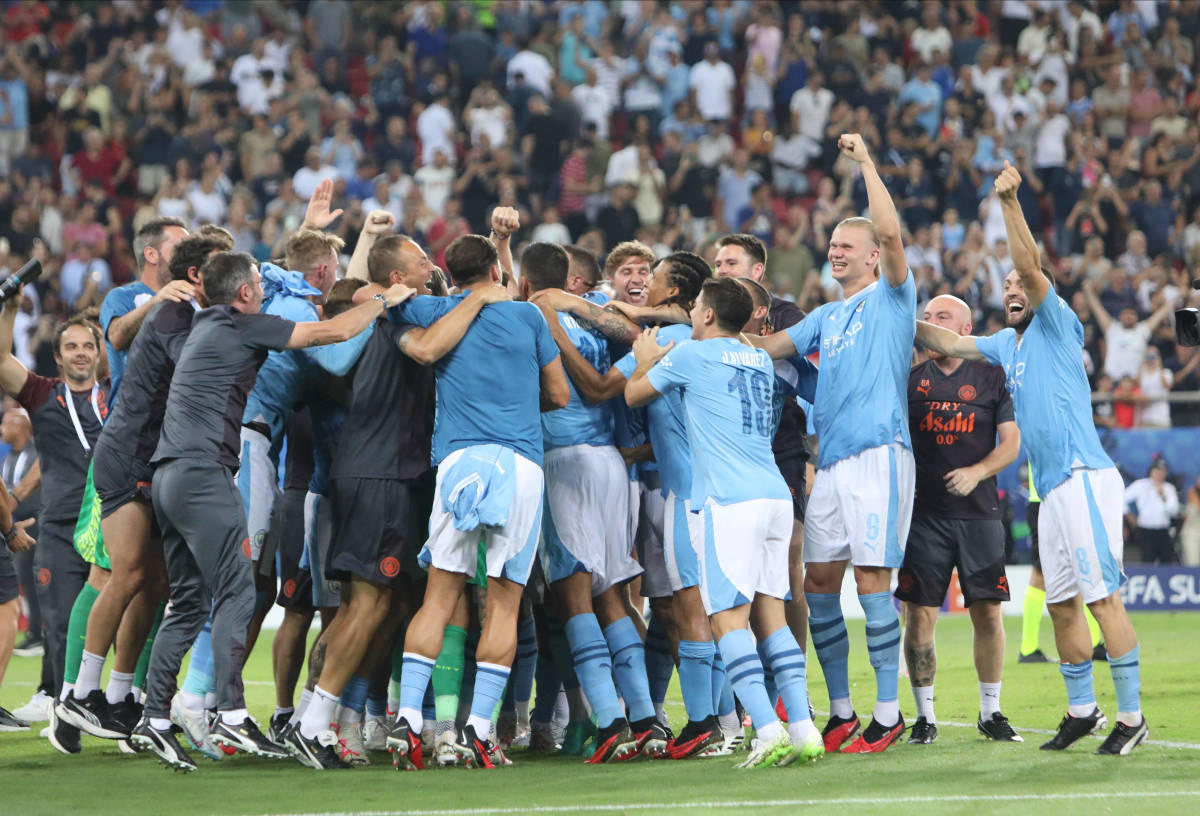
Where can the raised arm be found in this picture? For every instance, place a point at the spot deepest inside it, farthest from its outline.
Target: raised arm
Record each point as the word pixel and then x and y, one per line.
pixel 13 372
pixel 962 481
pixel 1160 314
pixel 883 211
pixel 348 323
pixel 614 326
pixel 1101 314
pixel 505 221
pixel 947 342
pixel 592 385
pixel 378 223
pixel 427 346
pixel 1026 256
pixel 779 345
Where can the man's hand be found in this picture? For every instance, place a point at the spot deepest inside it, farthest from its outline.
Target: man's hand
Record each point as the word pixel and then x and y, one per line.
pixel 22 541
pixel 490 294
pixel 505 221
pixel 646 349
pixel 318 216
pixel 961 481
pixel 378 223
pixel 853 146
pixel 556 300
pixel 1007 182
pixel 176 291
pixel 397 293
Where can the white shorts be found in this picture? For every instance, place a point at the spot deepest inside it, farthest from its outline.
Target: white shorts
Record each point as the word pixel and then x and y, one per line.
pixel 510 549
pixel 860 509
pixel 258 482
pixel 318 534
pixel 745 552
pixel 585 528
pixel 683 543
pixel 1079 536
pixel 656 580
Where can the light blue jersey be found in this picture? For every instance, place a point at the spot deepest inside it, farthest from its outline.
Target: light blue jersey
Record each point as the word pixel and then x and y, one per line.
pixel 1050 392
pixel 281 378
pixel 118 303
pixel 728 393
pixel 666 422
pixel 865 343
pixel 794 377
pixel 489 386
pixel 581 422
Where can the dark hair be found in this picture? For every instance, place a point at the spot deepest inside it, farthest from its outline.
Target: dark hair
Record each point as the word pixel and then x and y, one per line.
pixel 583 258
pixel 76 320
pixel 193 251
pixel 385 257
pixel 687 273
pixel 469 258
pixel 341 296
pixel 219 233
pixel 224 273
pixel 545 266
pixel 152 234
pixel 753 246
pixel 730 301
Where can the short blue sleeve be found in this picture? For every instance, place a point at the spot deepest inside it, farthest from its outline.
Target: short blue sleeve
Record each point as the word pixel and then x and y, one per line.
pixel 997 349
pixel 806 335
pixel 674 370
pixel 1057 319
pixel 118 302
pixel 903 298
pixel 423 310
pixel 626 365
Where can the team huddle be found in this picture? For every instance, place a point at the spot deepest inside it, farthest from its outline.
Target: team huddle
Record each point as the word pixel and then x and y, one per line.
pixel 475 470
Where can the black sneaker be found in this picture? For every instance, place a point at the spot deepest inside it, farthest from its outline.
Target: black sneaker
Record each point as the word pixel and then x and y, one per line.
pixel 31 646
pixel 1124 738
pixel 91 714
pixel 10 723
pixel 1036 656
pixel 321 752
pixel 695 738
pixel 996 728
pixel 923 732
pixel 405 745
pixel 63 736
pixel 1072 729
pixel 472 751
pixel 245 737
pixel 652 737
pixel 164 745
pixel 614 743
pixel 277 728
pixel 126 714
pixel 1100 652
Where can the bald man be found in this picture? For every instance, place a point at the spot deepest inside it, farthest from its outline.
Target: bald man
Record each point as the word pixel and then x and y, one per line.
pixel 963 434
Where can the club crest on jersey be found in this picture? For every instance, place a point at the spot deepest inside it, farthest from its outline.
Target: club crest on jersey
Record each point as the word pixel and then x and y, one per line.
pixel 967 393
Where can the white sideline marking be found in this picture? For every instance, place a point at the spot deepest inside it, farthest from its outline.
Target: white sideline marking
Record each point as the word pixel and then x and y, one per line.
pixel 1157 743
pixel 778 803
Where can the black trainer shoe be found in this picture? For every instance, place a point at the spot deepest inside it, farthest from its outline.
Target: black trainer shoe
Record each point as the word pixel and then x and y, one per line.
pixel 923 732
pixel 320 752
pixel 126 714
pixel 1036 656
pixel 471 750
pixel 277 728
pixel 1124 738
pixel 614 743
pixel 63 736
pixel 695 738
pixel 996 728
pixel 405 746
pixel 246 737
pixel 31 646
pixel 10 723
pixel 652 737
pixel 164 745
pixel 1100 652
pixel 91 714
pixel 1072 729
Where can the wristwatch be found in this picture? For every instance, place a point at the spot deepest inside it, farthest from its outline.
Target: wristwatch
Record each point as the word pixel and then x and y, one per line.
pixel 11 534
pixel 381 298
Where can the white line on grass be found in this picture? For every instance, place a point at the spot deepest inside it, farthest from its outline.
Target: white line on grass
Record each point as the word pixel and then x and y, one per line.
pixel 1158 743
pixel 777 803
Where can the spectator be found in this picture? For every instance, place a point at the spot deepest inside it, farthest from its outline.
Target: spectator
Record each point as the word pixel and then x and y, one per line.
pixel 314 171
pixel 1154 381
pixel 734 187
pixel 550 230
pixel 1189 532
pixel 1125 339
pixel 712 82
pixel 1126 399
pixel 931 35
pixel 84 277
pixel 436 128
pixel 810 107
pixel 1155 217
pixel 435 182
pixel 618 220
pixel 1152 505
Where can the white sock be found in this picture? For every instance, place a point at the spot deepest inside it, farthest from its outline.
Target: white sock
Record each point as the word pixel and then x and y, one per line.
pixel 1130 718
pixel 305 697
pixel 319 714
pixel 279 712
pixel 393 703
pixel 730 722
pixel 90 668
pixel 523 713
pixel 660 713
pixel 887 714
pixel 416 720
pixel 801 731
pixel 66 690
pixel 1084 710
pixel 138 694
pixel 841 708
pixel 482 725
pixel 349 716
pixel 119 685
pixel 989 700
pixel 236 716
pixel 210 700
pixel 192 702
pixel 769 732
pixel 160 724
pixel 924 698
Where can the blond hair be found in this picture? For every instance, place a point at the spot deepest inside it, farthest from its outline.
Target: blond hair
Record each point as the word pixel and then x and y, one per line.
pixel 862 223
pixel 308 247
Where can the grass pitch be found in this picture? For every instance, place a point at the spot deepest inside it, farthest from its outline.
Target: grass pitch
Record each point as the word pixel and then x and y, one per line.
pixel 960 773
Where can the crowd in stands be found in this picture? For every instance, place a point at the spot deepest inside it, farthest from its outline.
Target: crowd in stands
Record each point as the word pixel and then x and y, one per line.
pixel 671 122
